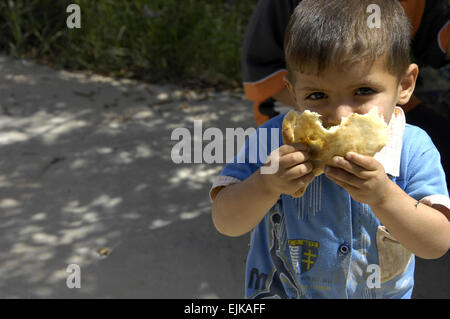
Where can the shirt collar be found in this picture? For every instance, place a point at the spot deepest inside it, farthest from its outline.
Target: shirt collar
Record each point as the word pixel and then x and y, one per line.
pixel 390 154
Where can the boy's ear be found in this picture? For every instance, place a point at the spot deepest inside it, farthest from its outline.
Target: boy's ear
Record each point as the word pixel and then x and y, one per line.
pixel 290 88
pixel 407 84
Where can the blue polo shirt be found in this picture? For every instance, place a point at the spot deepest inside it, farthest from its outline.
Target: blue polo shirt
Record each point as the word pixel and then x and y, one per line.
pixel 327 245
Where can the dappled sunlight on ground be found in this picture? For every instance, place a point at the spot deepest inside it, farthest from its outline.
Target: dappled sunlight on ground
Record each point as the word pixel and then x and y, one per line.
pixel 86 165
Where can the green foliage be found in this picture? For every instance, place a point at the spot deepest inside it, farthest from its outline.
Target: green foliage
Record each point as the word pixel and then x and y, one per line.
pixel 157 40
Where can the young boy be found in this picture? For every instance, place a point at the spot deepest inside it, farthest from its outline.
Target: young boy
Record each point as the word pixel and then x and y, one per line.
pixel 354 232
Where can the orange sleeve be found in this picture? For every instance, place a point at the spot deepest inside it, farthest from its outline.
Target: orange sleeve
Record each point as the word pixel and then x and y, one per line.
pixel 414 10
pixel 265 88
pixel 444 37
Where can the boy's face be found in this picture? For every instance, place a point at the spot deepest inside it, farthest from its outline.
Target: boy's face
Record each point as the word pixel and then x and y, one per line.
pixel 357 89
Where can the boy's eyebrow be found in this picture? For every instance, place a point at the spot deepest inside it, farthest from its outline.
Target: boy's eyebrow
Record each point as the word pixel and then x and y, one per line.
pixel 366 82
pixel 309 88
pixel 362 83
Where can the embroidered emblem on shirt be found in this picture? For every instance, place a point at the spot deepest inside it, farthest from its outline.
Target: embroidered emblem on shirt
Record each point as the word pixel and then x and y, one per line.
pixel 304 254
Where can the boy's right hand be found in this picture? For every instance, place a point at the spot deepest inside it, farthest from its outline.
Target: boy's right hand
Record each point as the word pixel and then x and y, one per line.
pixel 294 171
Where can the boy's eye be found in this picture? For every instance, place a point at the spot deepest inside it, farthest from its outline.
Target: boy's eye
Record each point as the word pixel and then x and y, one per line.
pixel 364 91
pixel 316 96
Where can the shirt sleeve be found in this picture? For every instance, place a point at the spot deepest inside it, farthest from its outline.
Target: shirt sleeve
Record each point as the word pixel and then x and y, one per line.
pixel 425 175
pixel 263 63
pixel 430 43
pixel 251 156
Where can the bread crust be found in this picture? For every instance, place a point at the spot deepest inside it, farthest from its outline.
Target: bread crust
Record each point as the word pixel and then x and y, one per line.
pixel 364 134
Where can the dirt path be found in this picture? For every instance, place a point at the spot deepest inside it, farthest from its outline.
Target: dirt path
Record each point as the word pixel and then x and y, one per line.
pixel 85 164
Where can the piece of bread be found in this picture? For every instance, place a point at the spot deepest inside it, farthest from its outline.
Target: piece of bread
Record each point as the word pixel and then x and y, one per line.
pixel 364 134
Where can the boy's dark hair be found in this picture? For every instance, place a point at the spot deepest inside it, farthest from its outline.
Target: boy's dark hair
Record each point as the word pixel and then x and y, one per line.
pixel 324 33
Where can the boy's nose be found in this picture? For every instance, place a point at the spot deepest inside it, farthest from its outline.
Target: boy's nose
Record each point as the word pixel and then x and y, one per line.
pixel 335 114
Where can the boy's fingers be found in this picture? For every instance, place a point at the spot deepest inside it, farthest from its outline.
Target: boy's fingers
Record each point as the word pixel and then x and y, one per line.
pixel 367 162
pixel 349 167
pixel 290 148
pixel 293 159
pixel 299 171
pixel 344 185
pixel 301 147
pixel 302 181
pixel 339 174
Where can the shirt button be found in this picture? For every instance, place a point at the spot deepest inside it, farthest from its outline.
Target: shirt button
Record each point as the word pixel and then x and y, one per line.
pixel 343 249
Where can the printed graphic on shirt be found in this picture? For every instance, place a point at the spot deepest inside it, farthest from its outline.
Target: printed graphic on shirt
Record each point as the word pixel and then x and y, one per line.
pixel 303 254
pixel 280 283
pixel 311 202
pixel 257 280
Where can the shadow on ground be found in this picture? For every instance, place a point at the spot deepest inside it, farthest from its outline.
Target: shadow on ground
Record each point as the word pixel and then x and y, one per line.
pixel 86 164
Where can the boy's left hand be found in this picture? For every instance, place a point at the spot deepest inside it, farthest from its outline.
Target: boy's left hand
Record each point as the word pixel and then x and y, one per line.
pixel 363 177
